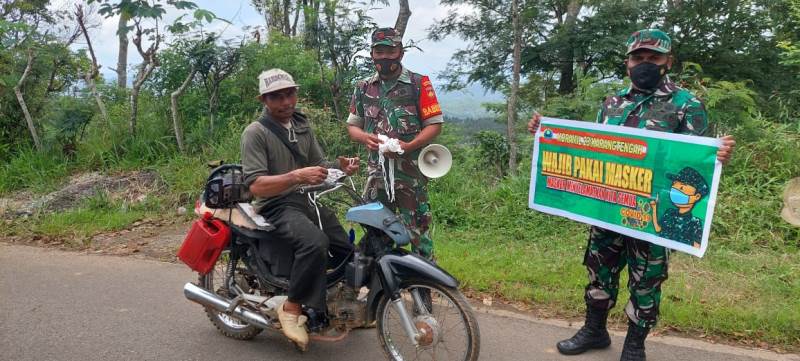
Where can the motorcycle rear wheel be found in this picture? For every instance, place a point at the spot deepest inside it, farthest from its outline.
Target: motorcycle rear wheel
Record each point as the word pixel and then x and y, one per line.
pixel 451 326
pixel 227 325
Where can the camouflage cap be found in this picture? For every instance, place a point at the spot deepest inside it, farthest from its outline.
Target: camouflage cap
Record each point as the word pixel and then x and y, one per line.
pixel 690 176
pixel 653 39
pixel 386 36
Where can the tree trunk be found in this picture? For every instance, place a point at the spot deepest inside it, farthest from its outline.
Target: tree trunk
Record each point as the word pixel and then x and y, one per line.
pixel 91 75
pixel 567 54
pixel 212 107
pixel 98 99
pixel 21 100
pixel 122 55
pixel 143 74
pixel 512 99
pixel 336 108
pixel 287 26
pixel 311 24
pixel 176 121
pixel 402 17
pixel 134 110
pixel 298 8
pixel 335 84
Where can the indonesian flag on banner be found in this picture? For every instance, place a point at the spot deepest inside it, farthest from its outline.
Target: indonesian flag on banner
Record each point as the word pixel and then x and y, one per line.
pixel 428 103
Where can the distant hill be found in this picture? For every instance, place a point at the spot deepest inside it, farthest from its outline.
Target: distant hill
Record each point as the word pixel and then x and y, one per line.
pixel 467 103
pixel 464 109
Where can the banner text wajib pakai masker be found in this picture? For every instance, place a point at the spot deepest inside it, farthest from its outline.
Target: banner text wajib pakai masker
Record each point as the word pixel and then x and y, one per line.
pixel 655 186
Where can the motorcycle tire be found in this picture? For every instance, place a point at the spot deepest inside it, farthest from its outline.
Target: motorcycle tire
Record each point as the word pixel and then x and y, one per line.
pixel 448 306
pixel 227 325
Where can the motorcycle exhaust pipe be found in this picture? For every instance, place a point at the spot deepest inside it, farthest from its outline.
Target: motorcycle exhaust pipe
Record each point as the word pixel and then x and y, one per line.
pixel 221 304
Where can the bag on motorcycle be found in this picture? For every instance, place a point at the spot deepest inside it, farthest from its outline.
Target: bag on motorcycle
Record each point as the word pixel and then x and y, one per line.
pixel 204 243
pixel 226 188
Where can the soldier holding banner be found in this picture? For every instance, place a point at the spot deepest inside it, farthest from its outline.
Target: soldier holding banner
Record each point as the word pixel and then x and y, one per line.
pixel 653 102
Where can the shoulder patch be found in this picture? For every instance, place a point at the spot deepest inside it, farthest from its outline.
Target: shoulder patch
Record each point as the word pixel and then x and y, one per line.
pixel 428 104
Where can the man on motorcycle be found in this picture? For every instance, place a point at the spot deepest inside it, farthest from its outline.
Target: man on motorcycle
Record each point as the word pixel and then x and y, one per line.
pixel 279 153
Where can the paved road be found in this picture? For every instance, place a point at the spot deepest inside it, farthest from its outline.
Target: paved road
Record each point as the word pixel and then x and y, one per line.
pixel 58 305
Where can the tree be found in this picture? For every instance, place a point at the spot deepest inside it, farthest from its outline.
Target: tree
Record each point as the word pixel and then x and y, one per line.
pixel 149 62
pixel 487 59
pixel 36 62
pixel 92 73
pixel 277 13
pixel 341 37
pixel 141 11
pixel 220 64
pixel 23 105
pixel 199 51
pixel 402 17
pixel 494 57
pixel 122 53
pixel 512 98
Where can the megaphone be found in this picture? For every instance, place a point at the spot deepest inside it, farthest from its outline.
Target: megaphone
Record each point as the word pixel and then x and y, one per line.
pixel 434 161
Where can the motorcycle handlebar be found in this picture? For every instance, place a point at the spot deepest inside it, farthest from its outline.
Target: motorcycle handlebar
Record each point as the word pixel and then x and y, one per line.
pixel 315 188
pixel 325 186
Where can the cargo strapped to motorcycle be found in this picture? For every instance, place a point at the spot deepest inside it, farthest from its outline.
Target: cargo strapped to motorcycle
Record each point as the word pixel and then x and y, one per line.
pixel 225 187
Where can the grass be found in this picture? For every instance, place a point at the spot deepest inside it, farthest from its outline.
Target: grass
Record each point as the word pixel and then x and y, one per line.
pixel 746 288
pixel 750 296
pixel 94 215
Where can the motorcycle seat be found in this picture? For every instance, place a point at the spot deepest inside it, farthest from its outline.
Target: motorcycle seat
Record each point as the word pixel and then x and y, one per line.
pixel 253 234
pixel 241 215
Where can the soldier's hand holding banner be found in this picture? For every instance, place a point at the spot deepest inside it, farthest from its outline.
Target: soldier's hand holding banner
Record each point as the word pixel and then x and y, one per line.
pixel 655 186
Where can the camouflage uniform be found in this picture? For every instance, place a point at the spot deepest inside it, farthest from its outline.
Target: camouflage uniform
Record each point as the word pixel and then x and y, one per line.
pixel 398 109
pixel 395 112
pixel 668 108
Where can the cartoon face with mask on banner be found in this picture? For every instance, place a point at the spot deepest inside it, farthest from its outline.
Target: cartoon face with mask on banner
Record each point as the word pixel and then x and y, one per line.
pixel 678 223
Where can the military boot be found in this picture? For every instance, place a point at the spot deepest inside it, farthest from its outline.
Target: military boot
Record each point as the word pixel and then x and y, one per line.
pixel 592 335
pixel 633 349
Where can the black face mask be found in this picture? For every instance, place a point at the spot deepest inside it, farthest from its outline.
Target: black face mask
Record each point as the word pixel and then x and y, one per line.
pixel 646 76
pixel 386 66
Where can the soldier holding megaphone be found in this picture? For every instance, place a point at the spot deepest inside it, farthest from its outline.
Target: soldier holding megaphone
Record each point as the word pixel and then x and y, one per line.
pixel 395 114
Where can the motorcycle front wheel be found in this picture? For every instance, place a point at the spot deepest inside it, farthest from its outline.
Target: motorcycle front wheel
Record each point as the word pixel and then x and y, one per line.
pixel 444 319
pixel 214 282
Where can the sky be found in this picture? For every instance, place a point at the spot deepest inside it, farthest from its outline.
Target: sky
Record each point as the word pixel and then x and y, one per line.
pixel 431 60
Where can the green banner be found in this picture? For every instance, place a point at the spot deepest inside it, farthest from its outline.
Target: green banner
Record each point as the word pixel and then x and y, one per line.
pixel 656 186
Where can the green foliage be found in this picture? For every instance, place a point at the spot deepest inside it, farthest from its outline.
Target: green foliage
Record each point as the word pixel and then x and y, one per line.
pixel 332 134
pixel 154 10
pixel 238 93
pixel 36 171
pixel 748 216
pixel 67 118
pixel 97 214
pixel 733 41
pixel 55 68
pixel 729 104
pixel 583 103
pixel 488 61
pixel 493 151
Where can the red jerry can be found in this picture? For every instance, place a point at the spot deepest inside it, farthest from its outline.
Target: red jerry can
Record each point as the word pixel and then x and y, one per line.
pixel 204 242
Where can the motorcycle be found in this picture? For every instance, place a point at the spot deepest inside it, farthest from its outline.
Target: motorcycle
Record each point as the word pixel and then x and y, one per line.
pixel 415 306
